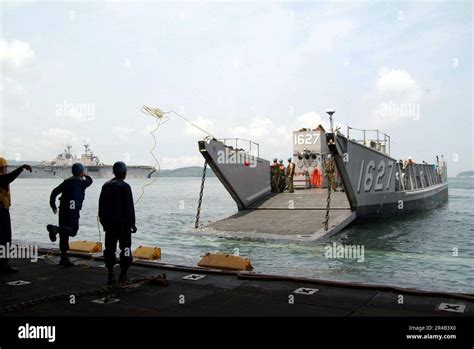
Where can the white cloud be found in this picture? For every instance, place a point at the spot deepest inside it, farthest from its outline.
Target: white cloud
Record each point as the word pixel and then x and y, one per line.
pixel 15 55
pixel 397 84
pixel 396 96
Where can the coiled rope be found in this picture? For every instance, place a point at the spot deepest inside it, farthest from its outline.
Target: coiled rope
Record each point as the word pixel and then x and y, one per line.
pixel 161 117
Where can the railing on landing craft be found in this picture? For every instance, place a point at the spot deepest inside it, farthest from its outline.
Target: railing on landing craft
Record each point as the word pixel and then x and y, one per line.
pixel 250 147
pixel 417 176
pixel 374 139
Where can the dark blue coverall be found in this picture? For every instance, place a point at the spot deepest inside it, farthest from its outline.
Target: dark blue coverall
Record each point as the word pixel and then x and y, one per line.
pixel 72 192
pixel 117 216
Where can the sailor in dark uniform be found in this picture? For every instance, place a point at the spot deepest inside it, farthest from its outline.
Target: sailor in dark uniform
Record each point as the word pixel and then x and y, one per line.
pixel 72 192
pixel 5 202
pixel 117 216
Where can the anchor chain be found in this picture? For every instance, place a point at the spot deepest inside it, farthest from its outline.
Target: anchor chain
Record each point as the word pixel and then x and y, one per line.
pixel 201 193
pixel 329 173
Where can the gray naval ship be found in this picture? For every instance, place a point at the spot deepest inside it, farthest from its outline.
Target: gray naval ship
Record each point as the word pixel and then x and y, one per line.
pixel 367 183
pixel 60 167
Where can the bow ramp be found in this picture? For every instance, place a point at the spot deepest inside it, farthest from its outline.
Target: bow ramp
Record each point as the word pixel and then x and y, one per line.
pixel 290 216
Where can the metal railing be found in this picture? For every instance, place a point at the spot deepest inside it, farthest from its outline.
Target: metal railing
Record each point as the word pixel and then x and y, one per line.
pixel 245 145
pixel 380 139
pixel 416 176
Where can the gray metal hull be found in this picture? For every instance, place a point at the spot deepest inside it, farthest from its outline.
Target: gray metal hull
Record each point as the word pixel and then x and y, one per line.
pixel 368 177
pixel 400 203
pixel 245 183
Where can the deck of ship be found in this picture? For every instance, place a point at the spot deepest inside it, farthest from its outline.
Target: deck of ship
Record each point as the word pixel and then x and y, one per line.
pixel 209 292
pixel 290 216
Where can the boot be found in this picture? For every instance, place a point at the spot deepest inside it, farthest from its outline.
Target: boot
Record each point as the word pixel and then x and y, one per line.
pixel 123 279
pixel 111 280
pixel 53 231
pixel 65 261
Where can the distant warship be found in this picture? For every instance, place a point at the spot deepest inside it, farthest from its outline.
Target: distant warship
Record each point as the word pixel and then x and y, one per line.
pixel 61 166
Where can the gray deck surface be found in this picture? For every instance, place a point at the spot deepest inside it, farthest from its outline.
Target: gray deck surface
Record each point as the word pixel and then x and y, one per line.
pixel 306 199
pixel 300 213
pixel 217 294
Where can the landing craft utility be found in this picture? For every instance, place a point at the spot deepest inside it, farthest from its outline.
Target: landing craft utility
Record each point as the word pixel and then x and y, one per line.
pixel 361 180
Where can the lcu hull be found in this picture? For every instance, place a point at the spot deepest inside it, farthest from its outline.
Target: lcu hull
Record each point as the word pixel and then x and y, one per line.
pixel 371 181
pixel 370 178
pixel 246 178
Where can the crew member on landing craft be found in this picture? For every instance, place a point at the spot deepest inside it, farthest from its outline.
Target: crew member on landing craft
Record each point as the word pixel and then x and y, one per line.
pixel 72 192
pixel 117 216
pixel 275 175
pixel 290 172
pixel 5 203
pixel 282 178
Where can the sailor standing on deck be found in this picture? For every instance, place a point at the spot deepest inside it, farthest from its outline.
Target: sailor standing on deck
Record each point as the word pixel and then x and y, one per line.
pixel 72 192
pixel 117 216
pixel 290 172
pixel 282 178
pixel 274 175
pixel 5 202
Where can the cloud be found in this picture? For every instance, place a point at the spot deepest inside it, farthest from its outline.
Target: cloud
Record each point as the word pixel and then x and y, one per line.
pixel 15 55
pixel 15 59
pixel 397 84
pixel 397 97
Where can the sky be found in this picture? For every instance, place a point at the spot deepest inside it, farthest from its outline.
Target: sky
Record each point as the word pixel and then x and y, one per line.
pixel 75 72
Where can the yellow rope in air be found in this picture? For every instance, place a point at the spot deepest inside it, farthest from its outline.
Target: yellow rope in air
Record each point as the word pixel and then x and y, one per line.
pixel 160 118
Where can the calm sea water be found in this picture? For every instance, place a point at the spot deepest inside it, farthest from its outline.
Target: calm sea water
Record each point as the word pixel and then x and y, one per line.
pixel 417 251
